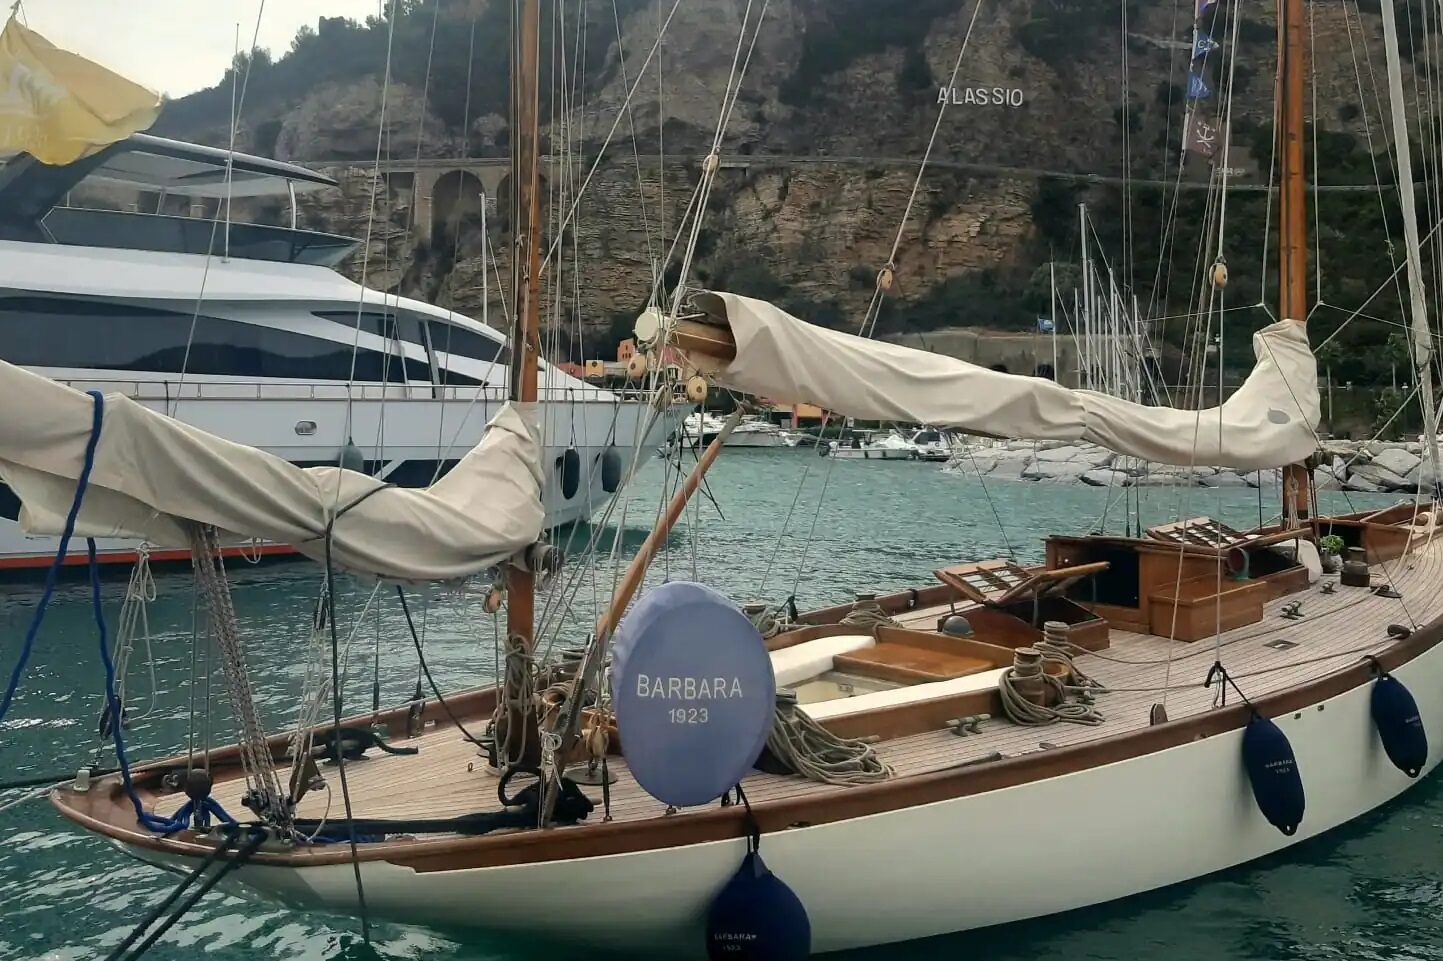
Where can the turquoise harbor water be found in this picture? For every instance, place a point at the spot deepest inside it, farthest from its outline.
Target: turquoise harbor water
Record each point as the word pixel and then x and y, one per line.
pixel 1373 890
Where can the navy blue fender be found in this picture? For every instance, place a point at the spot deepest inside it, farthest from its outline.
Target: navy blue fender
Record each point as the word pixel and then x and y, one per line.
pixel 1400 728
pixel 570 473
pixel 611 470
pixel 1273 771
pixel 756 917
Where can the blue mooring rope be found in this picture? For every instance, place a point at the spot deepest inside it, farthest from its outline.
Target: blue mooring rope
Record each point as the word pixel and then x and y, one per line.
pixel 53 574
pixel 209 807
pixel 180 820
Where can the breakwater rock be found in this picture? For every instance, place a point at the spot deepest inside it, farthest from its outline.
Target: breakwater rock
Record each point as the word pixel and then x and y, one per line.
pixel 1372 466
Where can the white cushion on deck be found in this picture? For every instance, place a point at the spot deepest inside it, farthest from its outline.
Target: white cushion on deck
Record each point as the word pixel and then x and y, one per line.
pixel 1307 555
pixel 804 661
pixel 822 710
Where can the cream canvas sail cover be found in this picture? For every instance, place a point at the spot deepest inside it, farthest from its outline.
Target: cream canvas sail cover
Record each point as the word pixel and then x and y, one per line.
pixel 1268 422
pixel 151 472
pixel 59 107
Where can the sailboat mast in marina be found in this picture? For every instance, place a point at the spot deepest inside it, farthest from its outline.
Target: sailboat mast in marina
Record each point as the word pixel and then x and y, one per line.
pixel 518 740
pixel 1292 219
pixel 702 775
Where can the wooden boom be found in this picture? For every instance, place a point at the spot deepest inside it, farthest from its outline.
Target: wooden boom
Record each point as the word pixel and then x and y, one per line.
pixel 712 340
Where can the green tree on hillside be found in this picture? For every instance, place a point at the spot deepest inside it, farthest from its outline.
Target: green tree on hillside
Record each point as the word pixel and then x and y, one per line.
pixel 1397 353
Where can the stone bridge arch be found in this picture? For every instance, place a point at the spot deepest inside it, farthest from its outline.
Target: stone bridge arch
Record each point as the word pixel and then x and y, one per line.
pixel 456 198
pixel 501 211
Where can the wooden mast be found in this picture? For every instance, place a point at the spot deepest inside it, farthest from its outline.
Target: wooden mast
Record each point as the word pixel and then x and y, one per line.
pixel 1292 216
pixel 523 748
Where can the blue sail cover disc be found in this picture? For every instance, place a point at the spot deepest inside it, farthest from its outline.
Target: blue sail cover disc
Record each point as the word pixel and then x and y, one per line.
pixel 694 693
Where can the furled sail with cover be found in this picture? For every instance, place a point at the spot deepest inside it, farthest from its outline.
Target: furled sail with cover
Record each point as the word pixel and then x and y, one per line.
pixel 152 472
pixel 59 107
pixel 1268 422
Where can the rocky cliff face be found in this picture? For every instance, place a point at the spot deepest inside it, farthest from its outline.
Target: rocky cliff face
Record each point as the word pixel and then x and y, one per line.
pixel 1040 88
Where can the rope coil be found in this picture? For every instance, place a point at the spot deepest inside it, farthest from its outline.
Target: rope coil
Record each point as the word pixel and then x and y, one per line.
pixel 816 753
pixel 1026 687
pixel 868 614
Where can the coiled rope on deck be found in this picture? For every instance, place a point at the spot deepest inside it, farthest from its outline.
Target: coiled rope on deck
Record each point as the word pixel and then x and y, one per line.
pixel 816 753
pixel 1022 711
pixel 1027 688
pixel 1055 651
pixel 869 614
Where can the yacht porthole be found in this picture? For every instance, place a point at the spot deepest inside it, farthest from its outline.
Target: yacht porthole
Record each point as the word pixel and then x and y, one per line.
pixel 305 428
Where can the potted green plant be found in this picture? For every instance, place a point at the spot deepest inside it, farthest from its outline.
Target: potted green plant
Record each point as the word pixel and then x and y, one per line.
pixel 1330 551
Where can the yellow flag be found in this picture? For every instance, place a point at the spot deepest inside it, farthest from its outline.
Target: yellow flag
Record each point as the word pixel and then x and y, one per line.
pixel 59 107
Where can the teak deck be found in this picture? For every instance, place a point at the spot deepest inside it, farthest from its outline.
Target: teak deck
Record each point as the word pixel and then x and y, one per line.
pixel 1336 630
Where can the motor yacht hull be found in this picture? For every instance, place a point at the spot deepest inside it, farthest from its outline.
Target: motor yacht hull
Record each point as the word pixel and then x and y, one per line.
pixel 932 455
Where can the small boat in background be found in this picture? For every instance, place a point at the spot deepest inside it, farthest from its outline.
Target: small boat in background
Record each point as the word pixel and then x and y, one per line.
pixel 758 432
pixel 862 445
pixel 931 445
pixel 701 428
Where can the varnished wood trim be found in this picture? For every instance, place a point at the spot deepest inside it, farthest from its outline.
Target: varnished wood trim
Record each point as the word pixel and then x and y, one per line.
pixel 904 720
pixel 899 602
pixel 994 654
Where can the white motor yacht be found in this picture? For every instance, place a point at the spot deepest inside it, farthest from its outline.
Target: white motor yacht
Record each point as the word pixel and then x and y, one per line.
pixel 865 445
pixel 701 428
pixel 931 445
pixel 249 332
pixel 756 431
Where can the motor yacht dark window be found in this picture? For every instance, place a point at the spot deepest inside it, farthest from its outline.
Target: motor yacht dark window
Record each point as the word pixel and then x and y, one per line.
pixel 396 330
pixel 9 504
pixel 59 332
pixel 448 338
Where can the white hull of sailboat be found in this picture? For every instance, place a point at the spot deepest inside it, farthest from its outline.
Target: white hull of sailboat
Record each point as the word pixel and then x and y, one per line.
pixel 1028 851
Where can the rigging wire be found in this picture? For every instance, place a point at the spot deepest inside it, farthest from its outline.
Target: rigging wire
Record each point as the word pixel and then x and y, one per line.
pixel 426 669
pixel 606 142
pixel 636 151
pixel 869 325
pixel 237 109
pixel 336 711
pixel 1127 227
pixel 712 164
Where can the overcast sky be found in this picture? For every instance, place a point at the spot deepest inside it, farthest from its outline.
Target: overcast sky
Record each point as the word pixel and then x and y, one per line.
pixel 176 46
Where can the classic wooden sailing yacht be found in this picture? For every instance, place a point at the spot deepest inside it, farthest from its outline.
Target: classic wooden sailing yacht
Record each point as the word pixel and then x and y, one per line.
pixel 996 746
